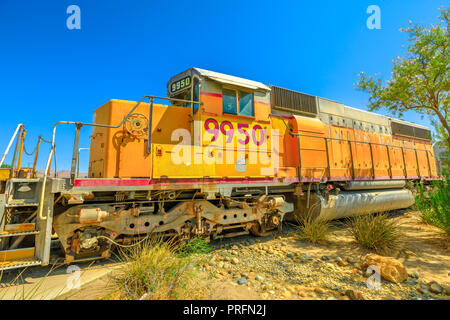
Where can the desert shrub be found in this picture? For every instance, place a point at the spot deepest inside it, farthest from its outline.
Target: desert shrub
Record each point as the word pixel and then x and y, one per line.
pixel 313 230
pixel 153 270
pixel 194 245
pixel 434 205
pixel 375 232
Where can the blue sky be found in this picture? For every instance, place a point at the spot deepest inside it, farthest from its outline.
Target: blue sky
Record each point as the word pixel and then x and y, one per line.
pixel 126 49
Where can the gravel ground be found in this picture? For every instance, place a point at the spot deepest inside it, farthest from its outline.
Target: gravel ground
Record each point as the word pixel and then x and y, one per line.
pixel 278 267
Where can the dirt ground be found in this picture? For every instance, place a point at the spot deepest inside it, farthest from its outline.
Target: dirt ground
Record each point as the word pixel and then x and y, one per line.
pixel 283 267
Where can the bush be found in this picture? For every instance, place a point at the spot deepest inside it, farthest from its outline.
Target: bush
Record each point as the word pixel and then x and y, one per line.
pixel 375 232
pixel 195 245
pixel 154 271
pixel 434 205
pixel 313 230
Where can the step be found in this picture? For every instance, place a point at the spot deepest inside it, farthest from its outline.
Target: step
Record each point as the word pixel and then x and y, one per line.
pixel 15 234
pixel 19 229
pixel 19 263
pixel 7 256
pixel 21 203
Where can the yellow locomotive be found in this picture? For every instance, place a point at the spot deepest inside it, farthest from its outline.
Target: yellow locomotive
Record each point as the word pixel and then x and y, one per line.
pixel 224 156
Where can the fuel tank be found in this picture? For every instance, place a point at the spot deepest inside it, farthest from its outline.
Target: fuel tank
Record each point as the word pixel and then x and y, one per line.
pixel 353 203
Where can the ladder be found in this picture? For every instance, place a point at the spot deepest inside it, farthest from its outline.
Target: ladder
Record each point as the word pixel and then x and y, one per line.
pixel 25 243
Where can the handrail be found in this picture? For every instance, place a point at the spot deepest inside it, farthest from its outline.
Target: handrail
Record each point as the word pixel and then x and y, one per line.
pixel 10 143
pixel 80 124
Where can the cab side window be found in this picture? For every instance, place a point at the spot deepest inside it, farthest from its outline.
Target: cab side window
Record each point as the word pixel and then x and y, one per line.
pixel 229 101
pixel 245 104
pixel 237 102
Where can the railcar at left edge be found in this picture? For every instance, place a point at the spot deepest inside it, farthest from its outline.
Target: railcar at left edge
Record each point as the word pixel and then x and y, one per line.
pixel 220 156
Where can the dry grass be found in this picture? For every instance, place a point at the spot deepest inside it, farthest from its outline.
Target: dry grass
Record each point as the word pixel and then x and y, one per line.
pixel 313 230
pixel 375 232
pixel 155 271
pixel 19 292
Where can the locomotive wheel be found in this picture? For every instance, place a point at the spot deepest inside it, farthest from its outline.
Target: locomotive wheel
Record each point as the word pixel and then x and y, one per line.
pixel 256 230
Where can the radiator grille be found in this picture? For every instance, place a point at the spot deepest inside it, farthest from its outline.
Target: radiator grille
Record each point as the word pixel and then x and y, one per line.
pixel 290 100
pixel 410 131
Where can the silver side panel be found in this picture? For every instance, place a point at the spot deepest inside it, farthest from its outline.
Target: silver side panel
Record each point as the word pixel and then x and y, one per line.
pixel 369 185
pixel 354 203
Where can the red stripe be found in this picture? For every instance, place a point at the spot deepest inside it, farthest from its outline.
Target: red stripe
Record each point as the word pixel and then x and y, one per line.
pixel 263 103
pixel 145 182
pixel 217 95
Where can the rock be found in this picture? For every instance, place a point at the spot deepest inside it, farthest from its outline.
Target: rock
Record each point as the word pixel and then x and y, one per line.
pixel 220 264
pixel 391 269
pixel 271 292
pixel 306 256
pixel 414 275
pixel 241 281
pixel 354 294
pixel 291 289
pixel 352 260
pixel 423 291
pixel 259 278
pixel 325 258
pixel 264 295
pixel 235 247
pixel 244 275
pixel 340 262
pixel 411 282
pixel 290 255
pixel 447 289
pixel 286 294
pixel 284 243
pixel 334 287
pixel 301 292
pixel 319 290
pixel 234 260
pixel 330 266
pixel 435 287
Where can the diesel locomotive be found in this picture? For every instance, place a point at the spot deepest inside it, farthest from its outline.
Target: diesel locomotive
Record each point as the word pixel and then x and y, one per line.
pixel 220 156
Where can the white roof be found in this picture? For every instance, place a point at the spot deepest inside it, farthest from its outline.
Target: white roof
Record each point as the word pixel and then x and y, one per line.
pixel 232 80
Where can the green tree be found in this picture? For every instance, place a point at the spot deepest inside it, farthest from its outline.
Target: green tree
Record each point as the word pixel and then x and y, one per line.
pixel 420 80
pixel 5 166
